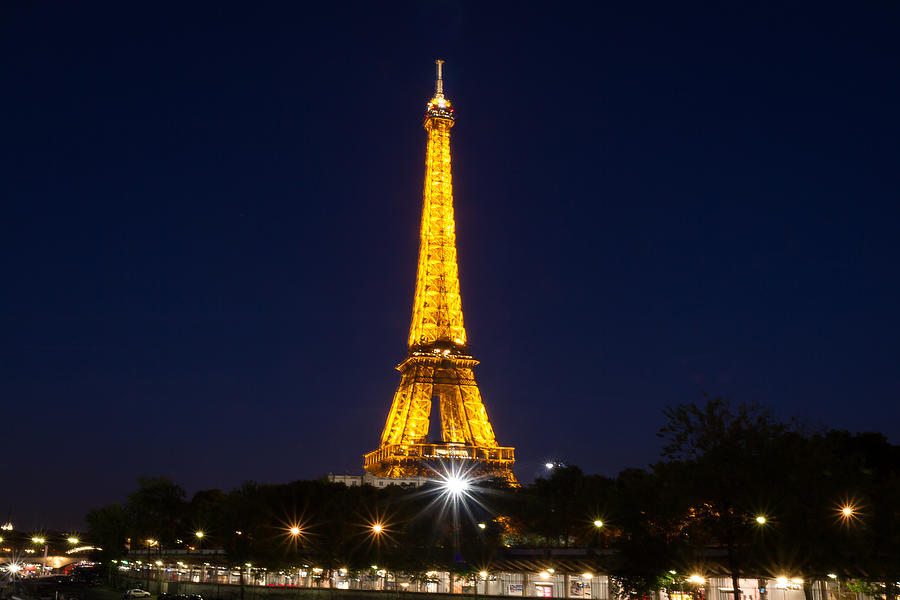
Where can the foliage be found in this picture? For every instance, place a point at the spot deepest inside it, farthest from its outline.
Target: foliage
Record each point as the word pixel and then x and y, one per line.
pixel 695 510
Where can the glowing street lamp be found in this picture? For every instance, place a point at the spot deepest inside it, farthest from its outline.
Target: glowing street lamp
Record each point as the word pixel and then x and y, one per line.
pixel 456 485
pixel 377 528
pixel 482 526
pixel 294 531
pixel 598 523
pixel 761 520
pixel 73 540
pixel 199 535
pixel 698 579
pixel 38 540
pixel 847 511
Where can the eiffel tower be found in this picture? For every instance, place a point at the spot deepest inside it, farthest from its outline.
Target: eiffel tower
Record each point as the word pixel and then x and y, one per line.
pixel 438 366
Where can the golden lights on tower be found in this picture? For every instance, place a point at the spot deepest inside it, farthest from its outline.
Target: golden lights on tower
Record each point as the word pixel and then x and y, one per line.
pixel 438 366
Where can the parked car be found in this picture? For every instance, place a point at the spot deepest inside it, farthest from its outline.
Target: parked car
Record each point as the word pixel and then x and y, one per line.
pixel 136 593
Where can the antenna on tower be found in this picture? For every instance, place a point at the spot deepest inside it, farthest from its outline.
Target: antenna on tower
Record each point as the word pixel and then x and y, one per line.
pixel 439 87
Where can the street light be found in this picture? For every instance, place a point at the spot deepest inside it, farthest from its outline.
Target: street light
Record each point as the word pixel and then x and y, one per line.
pixel 456 485
pixel 377 528
pixel 199 534
pixel 598 523
pixel 73 540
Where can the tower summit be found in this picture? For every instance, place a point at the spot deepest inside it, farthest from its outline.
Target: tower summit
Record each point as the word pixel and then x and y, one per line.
pixel 438 365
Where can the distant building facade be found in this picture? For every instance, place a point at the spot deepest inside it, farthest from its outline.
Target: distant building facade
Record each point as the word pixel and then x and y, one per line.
pixel 375 481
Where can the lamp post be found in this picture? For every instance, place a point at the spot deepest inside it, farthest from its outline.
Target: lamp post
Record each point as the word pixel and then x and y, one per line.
pixel 199 535
pixel 294 531
pixel 377 529
pixel 150 543
pixel 41 542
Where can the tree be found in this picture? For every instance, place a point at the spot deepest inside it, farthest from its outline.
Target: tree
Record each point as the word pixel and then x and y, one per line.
pixel 723 454
pixel 108 527
pixel 156 510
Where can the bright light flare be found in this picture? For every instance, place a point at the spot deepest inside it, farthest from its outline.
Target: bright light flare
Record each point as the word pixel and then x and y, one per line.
pixel 199 534
pixel 847 511
pixel 456 485
pixel 295 531
pixel 73 540
pixel 483 574
pixel 38 540
pixel 598 523
pixel 761 520
pixel 698 579
pixel 13 567
pixel 377 529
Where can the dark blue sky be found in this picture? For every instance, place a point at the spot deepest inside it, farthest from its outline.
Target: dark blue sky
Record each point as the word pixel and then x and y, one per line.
pixel 211 212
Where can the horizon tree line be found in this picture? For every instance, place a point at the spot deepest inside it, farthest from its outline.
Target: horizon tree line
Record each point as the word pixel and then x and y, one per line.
pixel 735 493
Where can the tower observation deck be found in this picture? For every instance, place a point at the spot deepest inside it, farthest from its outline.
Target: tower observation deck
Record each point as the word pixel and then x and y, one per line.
pixel 438 366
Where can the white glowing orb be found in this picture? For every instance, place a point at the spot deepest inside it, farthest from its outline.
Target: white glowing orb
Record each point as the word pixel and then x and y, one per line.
pixel 456 485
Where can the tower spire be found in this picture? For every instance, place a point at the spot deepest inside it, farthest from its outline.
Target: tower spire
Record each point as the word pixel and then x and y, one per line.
pixel 439 84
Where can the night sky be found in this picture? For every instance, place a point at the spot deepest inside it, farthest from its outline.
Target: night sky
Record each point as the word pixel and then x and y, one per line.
pixel 211 217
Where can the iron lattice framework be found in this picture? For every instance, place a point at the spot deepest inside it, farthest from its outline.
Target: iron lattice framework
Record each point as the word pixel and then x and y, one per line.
pixel 438 365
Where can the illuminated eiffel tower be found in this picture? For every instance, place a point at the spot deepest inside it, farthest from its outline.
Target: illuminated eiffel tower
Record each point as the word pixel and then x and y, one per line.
pixel 438 365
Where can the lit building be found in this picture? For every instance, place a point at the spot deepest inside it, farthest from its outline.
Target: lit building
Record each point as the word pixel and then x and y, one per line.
pixel 438 366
